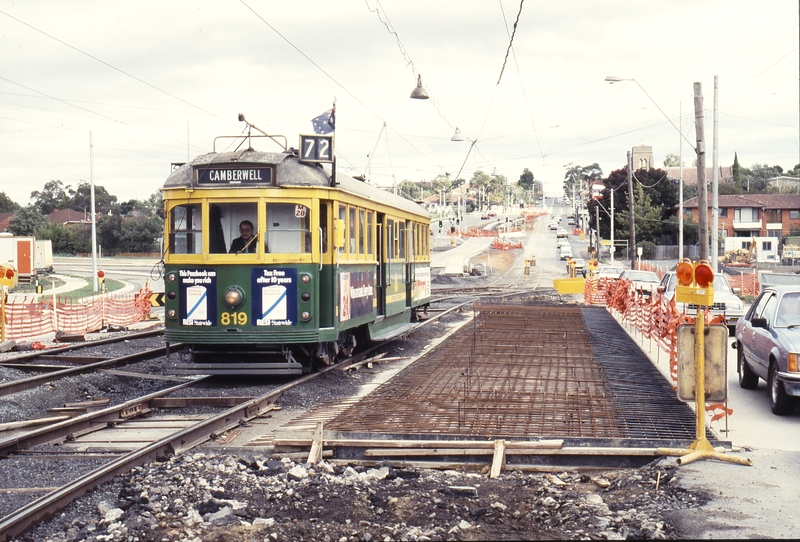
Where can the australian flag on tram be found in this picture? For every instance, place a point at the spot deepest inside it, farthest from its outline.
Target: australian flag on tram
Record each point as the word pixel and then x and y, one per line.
pixel 325 123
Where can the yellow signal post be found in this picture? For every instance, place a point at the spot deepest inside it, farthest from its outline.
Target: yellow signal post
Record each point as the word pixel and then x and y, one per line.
pixel 696 285
pixel 8 279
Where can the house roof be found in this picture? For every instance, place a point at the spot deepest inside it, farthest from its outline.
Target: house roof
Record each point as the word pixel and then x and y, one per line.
pixel 763 201
pixel 67 216
pixel 725 174
pixel 5 218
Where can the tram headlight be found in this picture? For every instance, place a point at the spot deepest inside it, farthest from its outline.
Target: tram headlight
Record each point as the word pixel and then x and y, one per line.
pixel 305 278
pixel 305 296
pixel 305 316
pixel 234 297
pixel 171 313
pixel 171 277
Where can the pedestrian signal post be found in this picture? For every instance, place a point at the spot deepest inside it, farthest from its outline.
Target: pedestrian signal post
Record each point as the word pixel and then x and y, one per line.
pixel 696 286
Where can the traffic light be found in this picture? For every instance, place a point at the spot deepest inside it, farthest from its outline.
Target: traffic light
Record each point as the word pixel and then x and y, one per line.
pixel 695 283
pixel 8 275
pixel 101 276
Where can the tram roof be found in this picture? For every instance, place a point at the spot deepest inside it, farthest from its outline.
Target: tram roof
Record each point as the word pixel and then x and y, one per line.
pixel 289 172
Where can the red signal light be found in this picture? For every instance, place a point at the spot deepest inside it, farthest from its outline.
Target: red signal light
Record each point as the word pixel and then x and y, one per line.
pixel 9 273
pixel 101 274
pixel 684 272
pixel 703 274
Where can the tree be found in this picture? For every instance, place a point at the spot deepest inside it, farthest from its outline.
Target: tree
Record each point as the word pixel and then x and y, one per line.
pixel 81 199
pixel 736 170
pixel 63 238
pixel 26 221
pixel 139 234
pixel 576 176
pixel 7 205
pixel 52 197
pixel 672 160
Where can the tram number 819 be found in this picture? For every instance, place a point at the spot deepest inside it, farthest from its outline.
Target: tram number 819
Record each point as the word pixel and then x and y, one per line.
pixel 233 318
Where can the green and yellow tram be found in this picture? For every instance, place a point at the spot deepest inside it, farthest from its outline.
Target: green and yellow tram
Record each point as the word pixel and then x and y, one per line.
pixel 274 265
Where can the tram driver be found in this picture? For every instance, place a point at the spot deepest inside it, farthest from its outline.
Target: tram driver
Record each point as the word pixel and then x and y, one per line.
pixel 245 241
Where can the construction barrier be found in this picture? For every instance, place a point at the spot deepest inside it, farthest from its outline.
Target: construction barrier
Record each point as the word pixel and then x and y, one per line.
pixel 655 317
pixel 748 284
pixel 34 318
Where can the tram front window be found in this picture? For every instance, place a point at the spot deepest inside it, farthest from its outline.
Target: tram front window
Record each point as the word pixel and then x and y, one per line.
pixel 288 228
pixel 233 228
pixel 185 236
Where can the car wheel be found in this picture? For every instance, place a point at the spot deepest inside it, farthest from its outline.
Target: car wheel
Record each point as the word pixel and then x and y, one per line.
pixel 748 380
pixel 780 403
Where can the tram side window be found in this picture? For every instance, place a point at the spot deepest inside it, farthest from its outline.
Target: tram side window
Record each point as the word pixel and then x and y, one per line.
pixel 361 224
pixel 351 228
pixel 343 219
pixel 370 226
pixel 401 242
pixel 186 236
pixel 288 228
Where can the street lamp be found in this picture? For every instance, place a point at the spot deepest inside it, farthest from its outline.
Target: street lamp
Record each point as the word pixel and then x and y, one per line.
pixel 612 79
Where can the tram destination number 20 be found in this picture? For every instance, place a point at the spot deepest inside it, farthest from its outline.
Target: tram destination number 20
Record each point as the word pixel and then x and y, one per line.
pixel 316 148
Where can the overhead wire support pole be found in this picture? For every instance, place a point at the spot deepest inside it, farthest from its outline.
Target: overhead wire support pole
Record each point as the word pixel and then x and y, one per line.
pixel 702 193
pixel 715 183
pixel 632 247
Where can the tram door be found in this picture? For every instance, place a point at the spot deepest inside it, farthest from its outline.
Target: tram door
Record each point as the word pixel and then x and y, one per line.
pixel 380 276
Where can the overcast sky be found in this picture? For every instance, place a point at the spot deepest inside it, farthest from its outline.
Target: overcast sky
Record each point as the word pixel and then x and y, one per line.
pixel 155 82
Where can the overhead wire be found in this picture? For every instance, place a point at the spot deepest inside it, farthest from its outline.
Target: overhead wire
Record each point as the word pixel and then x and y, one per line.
pixel 101 61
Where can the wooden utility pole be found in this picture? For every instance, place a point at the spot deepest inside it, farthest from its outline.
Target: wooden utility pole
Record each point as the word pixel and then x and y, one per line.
pixel 702 193
pixel 632 247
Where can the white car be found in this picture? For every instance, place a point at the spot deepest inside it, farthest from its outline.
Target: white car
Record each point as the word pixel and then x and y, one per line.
pixel 725 299
pixel 561 232
pixel 643 282
pixel 609 272
pixel 565 252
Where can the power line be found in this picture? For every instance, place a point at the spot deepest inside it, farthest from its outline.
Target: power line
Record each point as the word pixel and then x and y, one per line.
pixel 111 66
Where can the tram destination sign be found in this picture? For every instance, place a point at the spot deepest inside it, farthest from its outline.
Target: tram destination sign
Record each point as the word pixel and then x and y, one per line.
pixel 228 175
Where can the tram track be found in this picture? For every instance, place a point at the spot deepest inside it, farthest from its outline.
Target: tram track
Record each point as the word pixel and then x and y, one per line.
pixel 69 433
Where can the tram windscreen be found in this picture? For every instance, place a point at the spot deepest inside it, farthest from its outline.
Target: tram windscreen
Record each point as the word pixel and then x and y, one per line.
pixel 288 228
pixel 186 236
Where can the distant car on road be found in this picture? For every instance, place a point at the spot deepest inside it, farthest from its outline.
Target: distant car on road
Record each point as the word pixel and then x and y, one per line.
pixel 561 232
pixel 580 266
pixel 768 346
pixel 725 299
pixel 565 252
pixel 642 282
pixel 609 272
pixel 571 221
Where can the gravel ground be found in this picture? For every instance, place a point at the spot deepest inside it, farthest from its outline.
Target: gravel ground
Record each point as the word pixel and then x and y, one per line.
pixel 212 496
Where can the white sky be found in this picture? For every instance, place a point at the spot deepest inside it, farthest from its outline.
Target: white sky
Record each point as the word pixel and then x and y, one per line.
pixel 155 82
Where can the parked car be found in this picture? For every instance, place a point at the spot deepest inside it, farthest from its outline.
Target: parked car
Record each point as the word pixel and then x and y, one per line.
pixel 561 232
pixel 768 346
pixel 726 301
pixel 565 252
pixel 609 272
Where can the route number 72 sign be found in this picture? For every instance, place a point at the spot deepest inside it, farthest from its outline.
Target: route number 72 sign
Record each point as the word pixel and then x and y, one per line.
pixel 316 148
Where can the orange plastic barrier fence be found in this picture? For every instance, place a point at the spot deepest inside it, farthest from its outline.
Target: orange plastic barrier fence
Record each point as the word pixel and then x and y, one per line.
pixel 655 318
pixel 748 284
pixel 31 318
pixel 505 245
